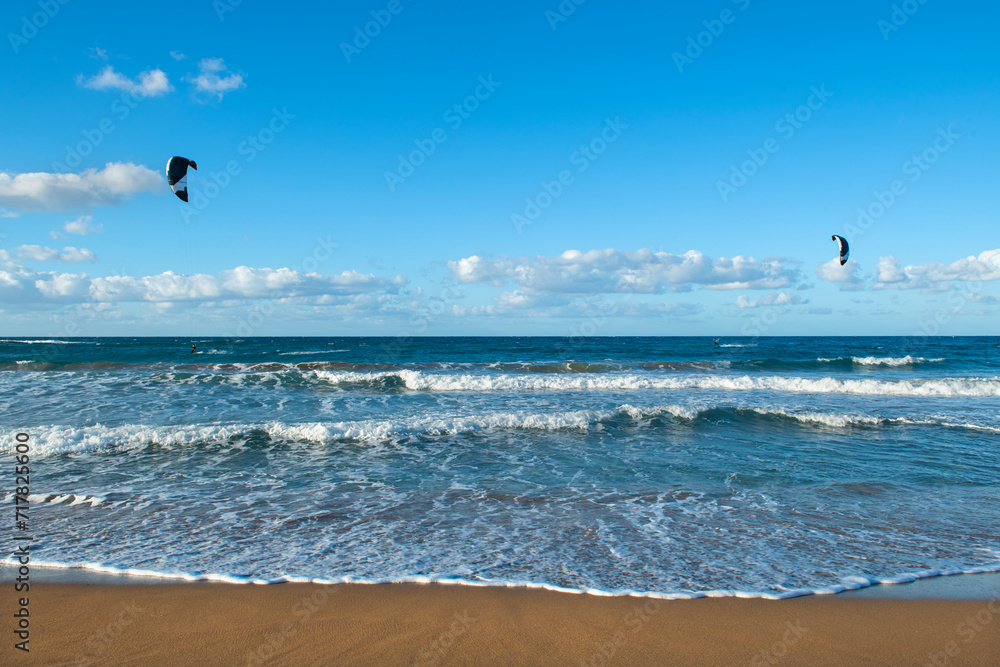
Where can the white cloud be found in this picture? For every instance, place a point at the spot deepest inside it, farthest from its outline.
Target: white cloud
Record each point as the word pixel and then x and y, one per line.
pixel 214 79
pixel 149 84
pixel 934 276
pixel 82 226
pixel 9 214
pixel 62 285
pixel 177 55
pixel 616 271
pixel 41 191
pixel 596 311
pixel 43 254
pixel 99 53
pixel 168 286
pixel 983 298
pixel 772 299
pixel 236 284
pixel 246 281
pixel 848 275
pixel 889 271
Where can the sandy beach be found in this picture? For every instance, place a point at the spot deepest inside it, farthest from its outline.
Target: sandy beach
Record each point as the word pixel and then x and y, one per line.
pixel 406 624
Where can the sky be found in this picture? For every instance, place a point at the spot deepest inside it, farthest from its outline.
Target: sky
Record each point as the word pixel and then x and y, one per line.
pixel 419 167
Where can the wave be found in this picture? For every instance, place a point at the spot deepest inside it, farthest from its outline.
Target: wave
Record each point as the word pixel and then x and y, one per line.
pixel 437 382
pixel 69 439
pixel 885 361
pixel 847 583
pixel 556 368
pixel 841 364
pixel 209 369
pixel 206 370
pixel 47 340
pixel 686 365
pixel 54 440
pixel 523 376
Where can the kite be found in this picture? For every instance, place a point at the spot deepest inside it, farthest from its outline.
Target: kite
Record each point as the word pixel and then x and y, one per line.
pixel 845 251
pixel 177 169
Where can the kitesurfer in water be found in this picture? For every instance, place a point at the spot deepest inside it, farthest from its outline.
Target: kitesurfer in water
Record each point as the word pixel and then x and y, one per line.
pixel 192 348
pixel 715 342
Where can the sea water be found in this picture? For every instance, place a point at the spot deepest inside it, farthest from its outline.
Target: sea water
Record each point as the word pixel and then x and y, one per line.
pixel 669 466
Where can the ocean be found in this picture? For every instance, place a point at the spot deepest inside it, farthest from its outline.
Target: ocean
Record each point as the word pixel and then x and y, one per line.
pixel 757 467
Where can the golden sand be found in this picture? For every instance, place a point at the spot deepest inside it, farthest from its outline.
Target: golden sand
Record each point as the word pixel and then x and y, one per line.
pixel 407 624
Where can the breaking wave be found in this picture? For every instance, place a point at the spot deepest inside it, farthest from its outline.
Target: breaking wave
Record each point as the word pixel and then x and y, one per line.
pixel 54 440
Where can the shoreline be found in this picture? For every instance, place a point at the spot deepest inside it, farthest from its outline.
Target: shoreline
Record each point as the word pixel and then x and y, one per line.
pixel 954 586
pixel 427 624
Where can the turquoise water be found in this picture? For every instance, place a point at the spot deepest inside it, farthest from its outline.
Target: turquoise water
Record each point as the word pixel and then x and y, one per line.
pixel 667 465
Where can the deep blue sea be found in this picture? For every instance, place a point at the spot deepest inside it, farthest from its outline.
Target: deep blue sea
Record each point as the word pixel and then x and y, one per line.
pixel 674 466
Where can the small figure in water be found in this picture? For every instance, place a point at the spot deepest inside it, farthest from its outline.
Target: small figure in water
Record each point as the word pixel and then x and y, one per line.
pixel 715 342
pixel 192 348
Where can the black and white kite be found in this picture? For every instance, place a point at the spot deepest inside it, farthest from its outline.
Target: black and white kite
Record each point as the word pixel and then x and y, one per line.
pixel 845 251
pixel 177 169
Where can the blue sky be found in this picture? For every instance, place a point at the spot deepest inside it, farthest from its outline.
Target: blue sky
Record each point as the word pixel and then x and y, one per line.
pixel 474 168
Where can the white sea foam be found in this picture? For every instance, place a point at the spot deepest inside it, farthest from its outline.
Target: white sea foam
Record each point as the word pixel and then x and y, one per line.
pixel 68 439
pixel 824 418
pixel 421 381
pixel 50 341
pixel 885 361
pixel 848 582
